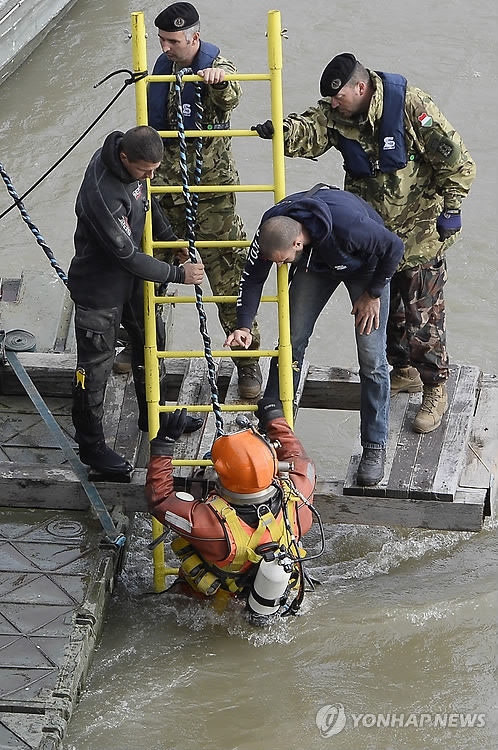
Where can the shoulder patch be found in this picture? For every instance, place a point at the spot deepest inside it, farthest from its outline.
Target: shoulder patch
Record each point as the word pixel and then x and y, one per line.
pixel 444 147
pixel 425 120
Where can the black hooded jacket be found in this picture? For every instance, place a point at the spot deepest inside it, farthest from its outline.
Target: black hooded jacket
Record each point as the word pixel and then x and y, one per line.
pixel 348 240
pixel 111 207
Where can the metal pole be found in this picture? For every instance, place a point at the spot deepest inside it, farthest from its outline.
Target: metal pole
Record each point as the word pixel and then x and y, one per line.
pixel 91 491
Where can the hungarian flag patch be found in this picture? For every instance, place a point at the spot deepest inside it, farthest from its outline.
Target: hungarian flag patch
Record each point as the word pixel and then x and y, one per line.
pixel 425 120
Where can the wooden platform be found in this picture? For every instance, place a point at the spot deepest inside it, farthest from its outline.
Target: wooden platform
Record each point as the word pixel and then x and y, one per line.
pixel 56 577
pixel 437 481
pixel 425 467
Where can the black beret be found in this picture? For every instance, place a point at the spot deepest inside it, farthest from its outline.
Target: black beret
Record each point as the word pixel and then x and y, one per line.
pixel 177 17
pixel 337 73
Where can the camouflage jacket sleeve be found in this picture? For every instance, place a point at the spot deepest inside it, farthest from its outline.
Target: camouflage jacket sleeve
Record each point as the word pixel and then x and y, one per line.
pixel 225 99
pixel 161 228
pixel 441 146
pixel 307 135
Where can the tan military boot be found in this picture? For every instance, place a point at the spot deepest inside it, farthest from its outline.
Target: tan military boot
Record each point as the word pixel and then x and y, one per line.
pixel 405 380
pixel 434 405
pixel 250 380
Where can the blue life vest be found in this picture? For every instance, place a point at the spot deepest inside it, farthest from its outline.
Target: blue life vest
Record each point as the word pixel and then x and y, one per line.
pixel 392 147
pixel 159 92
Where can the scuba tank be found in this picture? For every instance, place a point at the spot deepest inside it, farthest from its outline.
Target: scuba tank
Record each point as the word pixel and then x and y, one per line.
pixel 270 587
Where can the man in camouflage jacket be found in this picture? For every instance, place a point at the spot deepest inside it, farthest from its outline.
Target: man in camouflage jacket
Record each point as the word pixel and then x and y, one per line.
pixel 405 159
pixel 217 219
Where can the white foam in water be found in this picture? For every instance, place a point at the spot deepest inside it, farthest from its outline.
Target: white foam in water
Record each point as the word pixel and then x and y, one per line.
pixel 351 552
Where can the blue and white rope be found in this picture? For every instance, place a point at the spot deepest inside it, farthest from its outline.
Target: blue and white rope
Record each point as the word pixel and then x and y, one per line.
pixel 191 203
pixel 34 229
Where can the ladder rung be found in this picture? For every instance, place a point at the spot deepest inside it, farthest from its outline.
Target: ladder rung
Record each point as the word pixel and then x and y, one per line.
pixel 228 77
pixel 213 188
pixel 204 243
pixel 174 300
pixel 207 407
pixel 256 353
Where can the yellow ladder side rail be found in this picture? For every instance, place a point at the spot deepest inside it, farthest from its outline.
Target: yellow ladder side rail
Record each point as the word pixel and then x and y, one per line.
pixel 275 61
pixel 150 351
pixel 151 370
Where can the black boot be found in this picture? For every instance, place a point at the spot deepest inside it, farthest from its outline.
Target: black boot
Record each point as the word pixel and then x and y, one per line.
pixel 371 467
pixel 104 460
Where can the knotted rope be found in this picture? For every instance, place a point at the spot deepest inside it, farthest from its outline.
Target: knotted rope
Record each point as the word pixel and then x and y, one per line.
pixel 33 228
pixel 191 204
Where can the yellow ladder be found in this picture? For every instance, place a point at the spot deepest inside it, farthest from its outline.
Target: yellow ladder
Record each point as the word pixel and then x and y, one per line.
pixel 152 355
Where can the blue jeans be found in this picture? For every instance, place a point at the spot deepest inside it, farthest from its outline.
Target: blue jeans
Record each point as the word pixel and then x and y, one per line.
pixel 309 292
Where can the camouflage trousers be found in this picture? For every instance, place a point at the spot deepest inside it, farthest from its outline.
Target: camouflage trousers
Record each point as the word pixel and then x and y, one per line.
pixel 416 329
pixel 217 220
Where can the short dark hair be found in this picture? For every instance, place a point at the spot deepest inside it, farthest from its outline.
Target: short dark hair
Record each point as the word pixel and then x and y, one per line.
pixel 142 143
pixel 360 73
pixel 277 233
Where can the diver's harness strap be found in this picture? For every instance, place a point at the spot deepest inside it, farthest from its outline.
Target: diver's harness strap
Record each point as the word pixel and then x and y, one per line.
pixel 207 577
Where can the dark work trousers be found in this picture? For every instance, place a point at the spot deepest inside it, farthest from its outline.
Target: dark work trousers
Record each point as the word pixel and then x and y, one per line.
pixel 416 328
pixel 96 336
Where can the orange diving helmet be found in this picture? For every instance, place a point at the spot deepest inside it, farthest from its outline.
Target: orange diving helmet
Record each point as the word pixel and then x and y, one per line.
pixel 246 466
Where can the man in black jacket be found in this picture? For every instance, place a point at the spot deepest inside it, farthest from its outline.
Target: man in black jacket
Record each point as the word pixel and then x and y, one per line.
pixel 106 279
pixel 331 236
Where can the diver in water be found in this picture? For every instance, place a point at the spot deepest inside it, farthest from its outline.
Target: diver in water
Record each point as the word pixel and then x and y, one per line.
pixel 244 538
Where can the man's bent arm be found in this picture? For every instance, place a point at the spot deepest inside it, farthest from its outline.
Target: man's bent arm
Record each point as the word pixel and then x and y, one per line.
pixel 252 281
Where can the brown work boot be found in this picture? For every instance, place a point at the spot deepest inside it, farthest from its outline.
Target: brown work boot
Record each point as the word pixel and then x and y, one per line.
pixel 434 405
pixel 405 380
pixel 250 380
pixel 122 363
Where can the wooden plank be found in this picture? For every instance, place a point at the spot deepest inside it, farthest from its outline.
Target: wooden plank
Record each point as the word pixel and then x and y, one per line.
pixel 481 464
pixel 325 387
pixel 195 389
pixel 465 514
pixel 400 477
pixel 300 387
pixel 457 424
pixel 428 448
pixel 128 435
pixel 424 466
pixel 113 400
pixel 58 488
pixel 331 388
pixel 397 416
pixel 52 374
